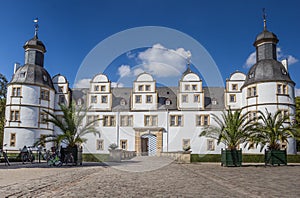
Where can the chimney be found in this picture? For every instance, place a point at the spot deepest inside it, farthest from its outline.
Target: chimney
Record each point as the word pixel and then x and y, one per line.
pixel 16 67
pixel 285 64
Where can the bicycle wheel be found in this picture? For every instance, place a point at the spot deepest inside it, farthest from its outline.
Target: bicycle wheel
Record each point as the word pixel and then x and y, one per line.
pixel 24 157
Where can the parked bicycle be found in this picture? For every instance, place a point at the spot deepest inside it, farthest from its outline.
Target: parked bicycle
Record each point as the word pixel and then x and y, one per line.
pixel 4 154
pixel 27 155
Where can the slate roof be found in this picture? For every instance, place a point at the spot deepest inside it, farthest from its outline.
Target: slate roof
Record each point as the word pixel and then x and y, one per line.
pixel 32 74
pixel 164 93
pixel 267 70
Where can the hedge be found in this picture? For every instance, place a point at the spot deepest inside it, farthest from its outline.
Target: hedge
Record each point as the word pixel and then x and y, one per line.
pixel 247 158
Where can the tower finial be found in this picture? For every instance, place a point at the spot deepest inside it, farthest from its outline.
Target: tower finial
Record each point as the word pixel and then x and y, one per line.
pixel 36 27
pixel 188 58
pixel 265 18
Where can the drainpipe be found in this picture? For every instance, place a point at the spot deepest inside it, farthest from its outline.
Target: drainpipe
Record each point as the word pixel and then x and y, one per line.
pixel 118 129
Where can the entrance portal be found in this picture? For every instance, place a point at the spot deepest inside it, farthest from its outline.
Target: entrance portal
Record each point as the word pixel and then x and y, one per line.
pixel 148 145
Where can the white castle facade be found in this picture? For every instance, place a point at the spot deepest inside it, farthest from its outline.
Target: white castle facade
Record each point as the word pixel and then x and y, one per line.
pixel 145 118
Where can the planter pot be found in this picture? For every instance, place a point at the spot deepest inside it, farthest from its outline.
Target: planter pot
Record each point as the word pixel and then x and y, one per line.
pixel 115 155
pixel 76 153
pixel 231 157
pixel 275 157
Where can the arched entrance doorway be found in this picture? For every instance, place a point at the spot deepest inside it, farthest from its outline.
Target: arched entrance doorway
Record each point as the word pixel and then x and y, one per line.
pixel 148 145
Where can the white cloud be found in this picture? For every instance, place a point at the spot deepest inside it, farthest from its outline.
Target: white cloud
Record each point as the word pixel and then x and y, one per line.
pixel 138 71
pixel 116 84
pixel 297 92
pixel 83 83
pixel 163 62
pixel 292 59
pixel 124 70
pixel 158 60
pixel 251 60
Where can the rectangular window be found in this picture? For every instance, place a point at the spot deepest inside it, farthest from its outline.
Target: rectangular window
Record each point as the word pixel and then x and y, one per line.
pixel 279 89
pixel 16 91
pixel 234 87
pixel 176 120
pixel 100 145
pixel 109 121
pixel 103 99
pixel 149 99
pixel 196 98
pixel 141 88
pixel 282 89
pixel 147 87
pixel 103 88
pixel 194 87
pixel 14 115
pixel 232 98
pixel 123 144
pixel 186 87
pixel 93 119
pixel 12 141
pixel 202 120
pixel 61 99
pixel 93 99
pixel 96 88
pixel 126 120
pixel 253 115
pixel 150 120
pixel 60 89
pixel 44 94
pixel 210 145
pixel 251 92
pixel 138 99
pixel 43 117
pixel 184 98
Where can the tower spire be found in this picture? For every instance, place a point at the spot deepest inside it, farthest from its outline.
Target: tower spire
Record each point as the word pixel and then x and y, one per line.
pixel 36 27
pixel 188 58
pixel 265 18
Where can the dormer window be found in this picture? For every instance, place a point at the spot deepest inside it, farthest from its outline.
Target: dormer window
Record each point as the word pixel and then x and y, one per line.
pixel 187 87
pixel 22 74
pixel 147 87
pixel 194 87
pixel 283 71
pixel 123 102
pixel 96 88
pixel 234 87
pixel 103 88
pixel 141 88
pixel 44 78
pixel 251 75
pixel 168 102
pixel 214 102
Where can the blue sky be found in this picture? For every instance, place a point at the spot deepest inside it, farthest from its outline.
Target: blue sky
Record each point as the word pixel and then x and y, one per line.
pixel 71 29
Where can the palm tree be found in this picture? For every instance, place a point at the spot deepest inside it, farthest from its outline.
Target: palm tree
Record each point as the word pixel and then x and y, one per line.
pixel 233 129
pixel 71 126
pixel 273 129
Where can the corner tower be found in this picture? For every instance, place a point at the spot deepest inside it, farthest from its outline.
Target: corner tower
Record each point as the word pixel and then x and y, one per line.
pixel 29 94
pixel 268 84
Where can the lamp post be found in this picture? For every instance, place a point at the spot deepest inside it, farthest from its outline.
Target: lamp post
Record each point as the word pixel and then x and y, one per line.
pixel 167 107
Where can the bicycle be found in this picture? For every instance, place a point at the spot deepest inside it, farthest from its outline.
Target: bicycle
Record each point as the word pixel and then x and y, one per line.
pixel 27 155
pixel 6 161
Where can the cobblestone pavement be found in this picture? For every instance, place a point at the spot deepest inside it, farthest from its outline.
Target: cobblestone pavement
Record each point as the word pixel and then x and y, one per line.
pixel 172 180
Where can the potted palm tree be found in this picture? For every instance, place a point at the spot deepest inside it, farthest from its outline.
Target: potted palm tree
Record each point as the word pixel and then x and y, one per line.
pixel 271 131
pixel 232 129
pixel 72 129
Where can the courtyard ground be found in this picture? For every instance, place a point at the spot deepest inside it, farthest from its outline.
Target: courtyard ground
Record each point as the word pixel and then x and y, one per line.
pixel 149 177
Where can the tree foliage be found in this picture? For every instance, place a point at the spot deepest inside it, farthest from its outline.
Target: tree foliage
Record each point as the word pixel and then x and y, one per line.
pixel 233 128
pixel 71 125
pixel 272 130
pixel 3 89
